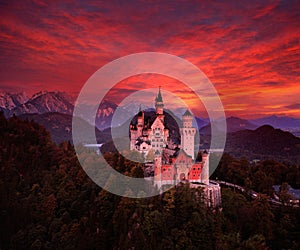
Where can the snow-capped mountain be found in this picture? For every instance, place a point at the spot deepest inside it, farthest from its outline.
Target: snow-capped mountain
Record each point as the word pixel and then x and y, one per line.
pixel 134 107
pixel 44 102
pixel 104 114
pixel 110 114
pixel 59 102
pixel 9 101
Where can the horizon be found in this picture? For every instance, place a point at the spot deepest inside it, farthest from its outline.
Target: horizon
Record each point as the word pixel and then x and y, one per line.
pixel 249 51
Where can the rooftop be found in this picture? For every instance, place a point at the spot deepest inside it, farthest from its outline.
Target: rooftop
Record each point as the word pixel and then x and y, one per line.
pixel 187 113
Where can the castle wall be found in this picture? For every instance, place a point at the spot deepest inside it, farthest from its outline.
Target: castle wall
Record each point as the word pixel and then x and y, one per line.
pixel 205 169
pixel 211 192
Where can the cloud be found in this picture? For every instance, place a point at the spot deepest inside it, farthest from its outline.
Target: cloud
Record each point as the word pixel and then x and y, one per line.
pixel 241 46
pixel 293 106
pixel 271 83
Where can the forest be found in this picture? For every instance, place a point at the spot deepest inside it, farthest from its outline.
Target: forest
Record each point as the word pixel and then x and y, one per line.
pixel 48 202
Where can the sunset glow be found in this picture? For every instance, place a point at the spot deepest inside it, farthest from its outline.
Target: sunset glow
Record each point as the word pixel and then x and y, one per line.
pixel 249 50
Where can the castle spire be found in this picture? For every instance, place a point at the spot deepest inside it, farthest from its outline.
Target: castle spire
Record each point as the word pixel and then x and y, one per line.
pixel 159 104
pixel 159 97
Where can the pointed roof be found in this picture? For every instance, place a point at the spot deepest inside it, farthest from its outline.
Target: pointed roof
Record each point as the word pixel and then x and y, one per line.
pixel 187 113
pixel 158 122
pixel 205 152
pixel 140 113
pixel 159 97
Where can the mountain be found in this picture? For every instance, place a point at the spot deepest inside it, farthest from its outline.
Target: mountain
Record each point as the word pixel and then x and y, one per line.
pixel 60 102
pixel 104 115
pixel 60 126
pixel 233 124
pixel 264 142
pixel 44 102
pixel 134 107
pixel 236 124
pixel 282 122
pixel 8 101
pixel 54 111
pixel 201 122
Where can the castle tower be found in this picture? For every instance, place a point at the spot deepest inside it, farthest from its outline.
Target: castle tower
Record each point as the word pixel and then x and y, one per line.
pixel 205 168
pixel 159 105
pixel 133 136
pixel 140 122
pixel 188 133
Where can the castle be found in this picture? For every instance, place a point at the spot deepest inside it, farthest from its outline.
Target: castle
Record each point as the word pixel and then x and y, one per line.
pixel 172 162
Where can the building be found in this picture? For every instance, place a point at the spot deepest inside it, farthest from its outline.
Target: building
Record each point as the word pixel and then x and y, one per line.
pixel 172 162
pixel 294 194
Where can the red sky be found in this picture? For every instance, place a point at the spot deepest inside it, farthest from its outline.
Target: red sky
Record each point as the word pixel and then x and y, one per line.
pixel 250 50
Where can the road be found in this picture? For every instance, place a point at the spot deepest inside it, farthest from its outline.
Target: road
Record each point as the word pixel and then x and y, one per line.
pixel 252 193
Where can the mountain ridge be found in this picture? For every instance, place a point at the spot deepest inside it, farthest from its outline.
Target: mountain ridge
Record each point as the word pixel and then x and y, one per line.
pixel 60 126
pixel 264 142
pixel 283 122
pixel 55 101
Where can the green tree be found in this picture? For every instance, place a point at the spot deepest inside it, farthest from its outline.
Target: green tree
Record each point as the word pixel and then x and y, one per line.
pixel 284 194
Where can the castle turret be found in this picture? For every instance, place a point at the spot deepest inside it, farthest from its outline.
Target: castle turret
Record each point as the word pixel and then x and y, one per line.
pixel 140 122
pixel 188 133
pixel 205 168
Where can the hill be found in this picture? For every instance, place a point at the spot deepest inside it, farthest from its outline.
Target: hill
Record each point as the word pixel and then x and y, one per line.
pixel 60 126
pixel 264 142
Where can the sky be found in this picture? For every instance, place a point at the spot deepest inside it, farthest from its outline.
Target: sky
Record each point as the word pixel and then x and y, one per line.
pixel 249 50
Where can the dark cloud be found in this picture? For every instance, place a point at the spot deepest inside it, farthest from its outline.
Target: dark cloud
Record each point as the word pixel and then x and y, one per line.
pixel 293 106
pixel 271 83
